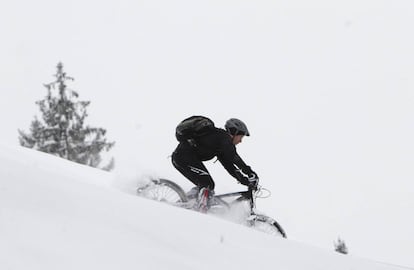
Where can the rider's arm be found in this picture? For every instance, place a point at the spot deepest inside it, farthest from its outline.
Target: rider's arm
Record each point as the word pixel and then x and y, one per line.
pixel 228 157
pixel 243 166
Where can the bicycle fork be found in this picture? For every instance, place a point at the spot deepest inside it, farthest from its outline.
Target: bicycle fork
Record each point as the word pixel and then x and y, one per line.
pixel 252 215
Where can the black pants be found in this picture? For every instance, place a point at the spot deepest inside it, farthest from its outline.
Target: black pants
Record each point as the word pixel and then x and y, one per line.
pixel 186 162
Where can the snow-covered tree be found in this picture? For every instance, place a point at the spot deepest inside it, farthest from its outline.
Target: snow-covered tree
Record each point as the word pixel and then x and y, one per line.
pixel 340 246
pixel 62 130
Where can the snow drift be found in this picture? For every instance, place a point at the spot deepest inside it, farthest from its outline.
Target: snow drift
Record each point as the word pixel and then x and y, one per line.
pixel 55 214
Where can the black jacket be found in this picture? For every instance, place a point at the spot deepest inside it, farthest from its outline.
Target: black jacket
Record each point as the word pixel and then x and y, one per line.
pixel 218 143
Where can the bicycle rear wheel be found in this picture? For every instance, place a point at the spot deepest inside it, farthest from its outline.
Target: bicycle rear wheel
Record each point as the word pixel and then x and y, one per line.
pixel 267 225
pixel 163 190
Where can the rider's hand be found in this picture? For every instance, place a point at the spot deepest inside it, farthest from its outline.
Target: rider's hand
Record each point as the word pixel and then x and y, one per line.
pixel 246 181
pixel 253 185
pixel 253 176
pixel 253 180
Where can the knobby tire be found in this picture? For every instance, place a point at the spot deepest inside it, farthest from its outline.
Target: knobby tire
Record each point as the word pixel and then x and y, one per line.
pixel 164 190
pixel 268 225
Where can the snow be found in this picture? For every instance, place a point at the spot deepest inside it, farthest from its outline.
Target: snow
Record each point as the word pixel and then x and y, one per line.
pixel 55 214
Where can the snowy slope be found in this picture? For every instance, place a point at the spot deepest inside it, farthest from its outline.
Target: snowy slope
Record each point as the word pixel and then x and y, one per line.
pixel 55 214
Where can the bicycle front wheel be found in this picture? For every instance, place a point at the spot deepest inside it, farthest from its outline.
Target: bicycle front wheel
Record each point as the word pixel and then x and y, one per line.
pixel 267 225
pixel 163 190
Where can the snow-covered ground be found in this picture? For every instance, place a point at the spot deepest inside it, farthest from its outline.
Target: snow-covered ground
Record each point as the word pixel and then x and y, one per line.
pixel 55 214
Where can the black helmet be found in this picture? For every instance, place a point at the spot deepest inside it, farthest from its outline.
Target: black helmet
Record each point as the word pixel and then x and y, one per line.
pixel 236 127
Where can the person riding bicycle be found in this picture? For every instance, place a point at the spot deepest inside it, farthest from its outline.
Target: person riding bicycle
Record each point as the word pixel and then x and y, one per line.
pixel 189 155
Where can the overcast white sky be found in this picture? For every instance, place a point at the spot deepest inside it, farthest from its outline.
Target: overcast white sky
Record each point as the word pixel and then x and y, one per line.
pixel 324 86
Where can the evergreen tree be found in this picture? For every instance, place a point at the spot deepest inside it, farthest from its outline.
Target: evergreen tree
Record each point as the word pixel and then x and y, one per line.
pixel 62 131
pixel 340 246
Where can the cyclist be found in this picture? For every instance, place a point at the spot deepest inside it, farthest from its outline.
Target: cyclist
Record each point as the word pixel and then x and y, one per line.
pixel 189 155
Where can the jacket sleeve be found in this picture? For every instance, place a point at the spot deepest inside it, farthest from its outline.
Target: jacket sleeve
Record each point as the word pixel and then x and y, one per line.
pixel 243 166
pixel 232 162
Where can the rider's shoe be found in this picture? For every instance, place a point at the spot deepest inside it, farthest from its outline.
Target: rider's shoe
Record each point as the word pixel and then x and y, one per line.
pixel 204 200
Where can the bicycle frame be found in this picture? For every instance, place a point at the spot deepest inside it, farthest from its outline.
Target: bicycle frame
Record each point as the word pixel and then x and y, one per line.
pixel 161 189
pixel 242 196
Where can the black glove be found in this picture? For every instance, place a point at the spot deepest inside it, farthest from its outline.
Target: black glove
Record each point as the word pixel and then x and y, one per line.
pixel 253 175
pixel 253 180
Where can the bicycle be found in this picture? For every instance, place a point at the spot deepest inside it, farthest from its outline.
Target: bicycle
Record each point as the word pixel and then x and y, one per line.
pixel 167 191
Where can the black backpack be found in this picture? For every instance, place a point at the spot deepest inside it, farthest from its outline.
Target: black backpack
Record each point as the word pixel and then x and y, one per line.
pixel 193 127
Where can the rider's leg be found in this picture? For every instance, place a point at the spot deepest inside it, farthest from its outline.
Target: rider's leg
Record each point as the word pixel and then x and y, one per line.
pixel 203 191
pixel 186 162
pixel 204 198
